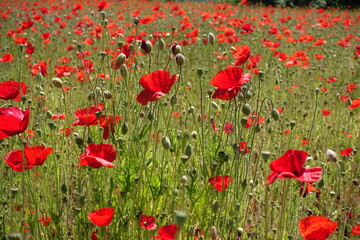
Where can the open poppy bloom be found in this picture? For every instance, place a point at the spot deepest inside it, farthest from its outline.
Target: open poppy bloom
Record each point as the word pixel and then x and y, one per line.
pixel 167 232
pixel 98 155
pixel 101 217
pixel 108 123
pixel 355 230
pixel 8 57
pixel 228 82
pixel 290 165
pixel 34 156
pixel 220 183
pixel 12 90
pixel 13 121
pixel 316 227
pixel 147 222
pixel 156 84
pixel 87 116
pixel 241 54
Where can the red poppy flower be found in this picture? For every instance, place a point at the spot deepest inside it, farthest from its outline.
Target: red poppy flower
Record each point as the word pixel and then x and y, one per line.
pixel 87 116
pixel 228 82
pixel 8 57
pixel 355 103
pixel 252 120
pixel 241 54
pixel 147 222
pixel 98 155
pixel 108 123
pixel 40 67
pixel 156 84
pixel 220 183
pixel 355 230
pixel 304 190
pixel 13 121
pixel 243 148
pixel 290 165
pixel 316 227
pixel 167 232
pixel 326 112
pixel 102 217
pixel 351 87
pixel 228 128
pixel 45 220
pixel 11 90
pixel 34 156
pixel 346 152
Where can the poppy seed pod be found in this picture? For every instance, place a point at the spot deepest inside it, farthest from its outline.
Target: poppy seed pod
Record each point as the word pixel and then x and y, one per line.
pixel 145 46
pixel 275 114
pixel 165 141
pixel 161 44
pixel 211 38
pixel 180 218
pixel 199 72
pixel 179 59
pixel 56 82
pixel 121 59
pixel 103 14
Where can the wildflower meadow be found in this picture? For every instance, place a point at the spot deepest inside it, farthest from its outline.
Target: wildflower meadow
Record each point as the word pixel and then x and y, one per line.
pixel 178 120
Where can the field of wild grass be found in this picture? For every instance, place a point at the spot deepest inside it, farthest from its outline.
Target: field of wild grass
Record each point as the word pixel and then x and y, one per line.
pixel 142 120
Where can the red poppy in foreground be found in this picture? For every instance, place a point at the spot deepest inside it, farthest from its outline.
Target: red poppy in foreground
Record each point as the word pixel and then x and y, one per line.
pixel 147 222
pixel 290 165
pixel 220 183
pixel 12 90
pixel 13 121
pixel 228 82
pixel 8 57
pixel 156 84
pixel 101 217
pixel 316 227
pixel 98 155
pixel 167 232
pixel 34 156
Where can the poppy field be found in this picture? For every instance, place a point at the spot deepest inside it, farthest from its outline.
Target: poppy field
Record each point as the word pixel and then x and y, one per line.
pixel 178 120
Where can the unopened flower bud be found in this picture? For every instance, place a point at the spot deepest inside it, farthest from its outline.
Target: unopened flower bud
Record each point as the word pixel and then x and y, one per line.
pixel 145 46
pixel 246 109
pixel 184 179
pixel 179 59
pixel 165 141
pixel 215 106
pixel 161 44
pixel 124 128
pixel 211 38
pixel 173 100
pixel 194 134
pixel 121 59
pixel 199 72
pixel 120 44
pixel 275 114
pixel 103 14
pixel 180 218
pixel 103 54
pixel 123 71
pixel 331 156
pixel 56 82
pixel 175 49
pixel 188 150
pixel 107 94
pixel 213 233
pixel 136 20
pixel 265 155
pixel 14 235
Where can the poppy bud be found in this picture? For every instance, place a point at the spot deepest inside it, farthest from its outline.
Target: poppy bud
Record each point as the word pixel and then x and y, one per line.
pixel 191 109
pixel 120 44
pixel 165 141
pixel 91 96
pixel 79 46
pixel 199 72
pixel 121 59
pixel 173 100
pixel 52 125
pixel 175 49
pixel 136 20
pixel 239 232
pixel 188 150
pixel 223 156
pixel 194 134
pixel 107 94
pixel 179 59
pixel 145 46
pixel 215 205
pixel 161 44
pixel 123 71
pixel 275 114
pixel 64 188
pixel 349 102
pixel 213 233
pixel 14 191
pixel 243 121
pixel 292 124
pixel 124 128
pixel 184 158
pixel 321 183
pixel 150 116
pixel 246 109
pixel 56 82
pixel 79 141
pixel 103 54
pixel 103 14
pixel 261 75
pixel 211 38
pixel 209 92
pixel 180 218
pixel 331 156
pixel 184 179
pixel 49 115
